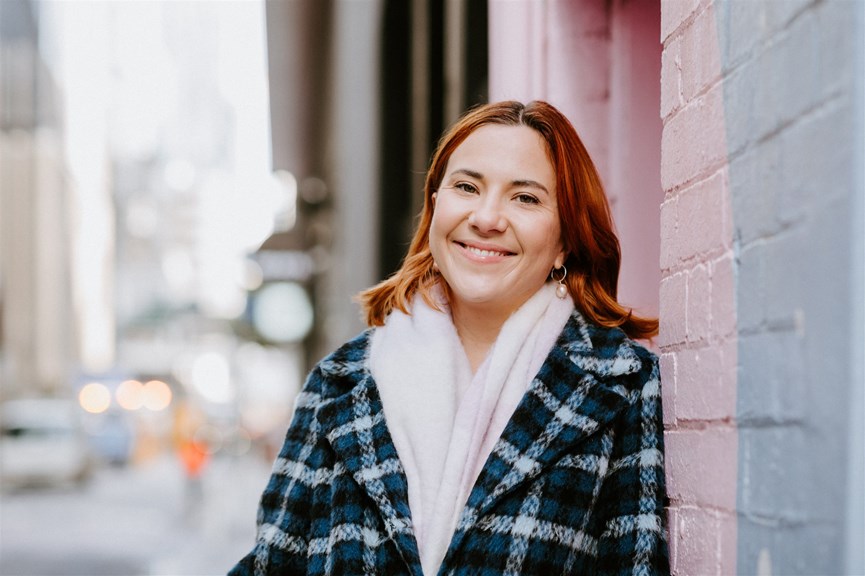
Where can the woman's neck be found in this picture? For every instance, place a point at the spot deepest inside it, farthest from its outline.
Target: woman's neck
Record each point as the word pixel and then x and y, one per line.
pixel 478 330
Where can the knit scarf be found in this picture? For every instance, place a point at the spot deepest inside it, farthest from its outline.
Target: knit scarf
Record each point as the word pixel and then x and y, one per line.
pixel 443 419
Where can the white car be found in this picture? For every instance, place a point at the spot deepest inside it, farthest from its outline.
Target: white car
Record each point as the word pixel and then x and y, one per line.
pixel 42 442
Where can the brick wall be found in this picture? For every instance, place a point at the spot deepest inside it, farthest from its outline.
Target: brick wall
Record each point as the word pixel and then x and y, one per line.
pixel 697 295
pixel 758 245
pixel 789 78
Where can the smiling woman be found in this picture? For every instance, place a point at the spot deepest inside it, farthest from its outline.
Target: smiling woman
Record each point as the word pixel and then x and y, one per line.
pixel 494 233
pixel 504 422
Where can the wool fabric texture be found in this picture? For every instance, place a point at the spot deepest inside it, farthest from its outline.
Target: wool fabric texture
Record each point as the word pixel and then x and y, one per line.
pixel 574 485
pixel 443 419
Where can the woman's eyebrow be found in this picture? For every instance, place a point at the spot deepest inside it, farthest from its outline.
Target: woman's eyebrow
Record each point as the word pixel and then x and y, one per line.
pixel 530 184
pixel 469 173
pixel 526 182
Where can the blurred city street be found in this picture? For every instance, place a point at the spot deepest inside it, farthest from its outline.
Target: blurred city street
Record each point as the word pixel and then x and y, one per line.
pixel 138 520
pixel 156 285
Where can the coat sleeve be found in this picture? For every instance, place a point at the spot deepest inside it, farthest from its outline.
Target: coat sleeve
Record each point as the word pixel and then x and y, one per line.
pixel 285 509
pixel 633 521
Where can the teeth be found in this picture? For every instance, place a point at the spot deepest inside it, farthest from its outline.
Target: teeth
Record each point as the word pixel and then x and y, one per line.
pixel 480 252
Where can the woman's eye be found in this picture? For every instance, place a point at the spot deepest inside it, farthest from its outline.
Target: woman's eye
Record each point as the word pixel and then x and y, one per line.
pixel 526 199
pixel 466 187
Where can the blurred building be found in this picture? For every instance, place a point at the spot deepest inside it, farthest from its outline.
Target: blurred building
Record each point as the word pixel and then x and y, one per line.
pixel 38 343
pixel 136 181
pixel 360 92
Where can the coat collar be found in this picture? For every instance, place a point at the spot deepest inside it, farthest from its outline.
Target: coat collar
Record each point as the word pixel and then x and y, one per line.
pixel 577 390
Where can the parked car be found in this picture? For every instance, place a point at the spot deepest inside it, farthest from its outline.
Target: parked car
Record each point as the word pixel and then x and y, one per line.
pixel 42 442
pixel 111 436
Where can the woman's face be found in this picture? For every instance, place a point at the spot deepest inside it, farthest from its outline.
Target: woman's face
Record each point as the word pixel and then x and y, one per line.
pixel 495 228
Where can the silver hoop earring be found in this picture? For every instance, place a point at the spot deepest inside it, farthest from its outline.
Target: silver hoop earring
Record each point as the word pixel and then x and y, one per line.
pixel 561 289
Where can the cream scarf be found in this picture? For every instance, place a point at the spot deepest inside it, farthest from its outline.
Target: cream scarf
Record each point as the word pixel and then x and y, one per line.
pixel 443 420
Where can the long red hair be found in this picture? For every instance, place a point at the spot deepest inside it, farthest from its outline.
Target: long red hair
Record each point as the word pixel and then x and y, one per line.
pixel 593 253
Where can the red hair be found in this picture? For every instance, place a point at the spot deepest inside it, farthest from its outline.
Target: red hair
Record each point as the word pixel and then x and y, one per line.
pixel 593 253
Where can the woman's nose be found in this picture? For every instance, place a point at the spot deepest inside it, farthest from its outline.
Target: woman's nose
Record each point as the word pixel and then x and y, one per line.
pixel 488 216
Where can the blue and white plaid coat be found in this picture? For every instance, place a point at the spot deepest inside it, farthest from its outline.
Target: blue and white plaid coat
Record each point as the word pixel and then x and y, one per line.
pixel 575 485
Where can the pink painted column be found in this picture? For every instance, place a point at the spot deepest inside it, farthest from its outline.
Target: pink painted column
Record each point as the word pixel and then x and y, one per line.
pixel 634 180
pixel 697 297
pixel 517 66
pixel 578 55
pixel 590 60
pixel 558 52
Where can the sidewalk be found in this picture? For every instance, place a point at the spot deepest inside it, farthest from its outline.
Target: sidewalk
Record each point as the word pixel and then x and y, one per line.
pixel 135 521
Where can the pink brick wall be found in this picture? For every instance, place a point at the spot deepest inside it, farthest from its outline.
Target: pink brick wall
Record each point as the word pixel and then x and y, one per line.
pixel 698 314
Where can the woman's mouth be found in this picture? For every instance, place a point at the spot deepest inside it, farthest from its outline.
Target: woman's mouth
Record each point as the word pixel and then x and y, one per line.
pixel 483 252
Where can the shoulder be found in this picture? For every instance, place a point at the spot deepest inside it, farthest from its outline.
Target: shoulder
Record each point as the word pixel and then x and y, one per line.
pixel 341 370
pixel 607 353
pixel 349 357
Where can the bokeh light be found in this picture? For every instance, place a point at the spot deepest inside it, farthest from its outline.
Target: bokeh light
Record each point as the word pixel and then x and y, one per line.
pixel 95 397
pixel 129 395
pixel 156 395
pixel 283 312
pixel 211 376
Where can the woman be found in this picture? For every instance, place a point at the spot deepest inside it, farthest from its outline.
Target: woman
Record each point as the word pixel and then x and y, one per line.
pixel 496 418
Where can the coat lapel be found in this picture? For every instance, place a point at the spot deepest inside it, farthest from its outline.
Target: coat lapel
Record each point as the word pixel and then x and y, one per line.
pixel 576 392
pixel 355 427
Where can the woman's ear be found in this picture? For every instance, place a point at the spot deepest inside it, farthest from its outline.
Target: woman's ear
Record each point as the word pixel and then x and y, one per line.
pixel 560 259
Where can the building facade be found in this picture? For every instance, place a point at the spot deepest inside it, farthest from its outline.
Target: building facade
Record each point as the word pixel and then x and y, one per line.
pixel 38 340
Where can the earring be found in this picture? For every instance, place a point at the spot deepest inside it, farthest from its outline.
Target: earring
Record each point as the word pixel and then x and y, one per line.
pixel 561 289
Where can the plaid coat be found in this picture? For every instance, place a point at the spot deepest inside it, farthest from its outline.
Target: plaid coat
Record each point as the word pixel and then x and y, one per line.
pixel 575 485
